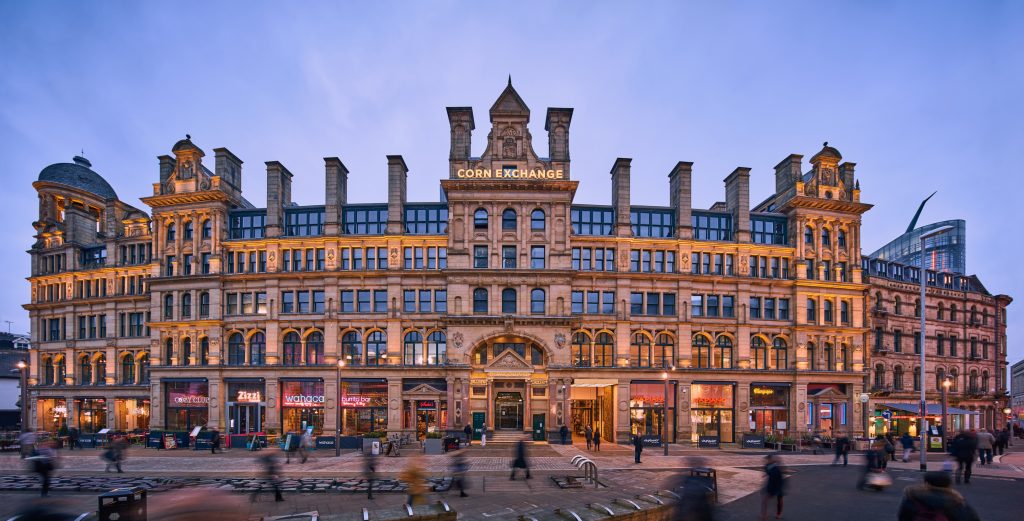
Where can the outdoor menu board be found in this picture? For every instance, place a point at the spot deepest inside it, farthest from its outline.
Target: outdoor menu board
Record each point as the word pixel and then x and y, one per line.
pixel 170 442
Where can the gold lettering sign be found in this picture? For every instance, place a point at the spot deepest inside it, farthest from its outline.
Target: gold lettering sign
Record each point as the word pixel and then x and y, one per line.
pixel 487 173
pixel 249 396
pixel 763 391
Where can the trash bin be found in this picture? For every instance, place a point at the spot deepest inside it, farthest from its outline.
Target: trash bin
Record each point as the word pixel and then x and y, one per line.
pixel 123 504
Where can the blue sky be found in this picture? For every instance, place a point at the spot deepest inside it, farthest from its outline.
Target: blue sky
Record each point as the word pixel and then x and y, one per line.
pixel 922 96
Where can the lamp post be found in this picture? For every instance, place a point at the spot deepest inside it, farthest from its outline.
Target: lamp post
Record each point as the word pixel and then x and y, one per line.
pixel 946 382
pixel 1007 412
pixel 22 370
pixel 337 410
pixel 664 419
pixel 923 276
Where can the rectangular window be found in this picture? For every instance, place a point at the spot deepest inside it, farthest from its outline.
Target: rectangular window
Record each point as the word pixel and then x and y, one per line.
pixel 593 302
pixel 577 303
pixel 205 264
pixel 537 257
pixel 380 301
pixel 712 306
pixel 321 259
pixel 348 301
pixel 636 303
pixel 697 305
pixel 608 302
pixel 409 301
pixel 287 302
pixel 755 307
pixel 363 300
pixel 653 304
pixel 261 303
pixel 728 306
pixel 769 309
pixel 783 309
pixel 440 301
pixel 668 304
pixel 508 257
pixel 302 301
pixel 424 301
pixel 479 256
pixel 695 263
pixel 247 306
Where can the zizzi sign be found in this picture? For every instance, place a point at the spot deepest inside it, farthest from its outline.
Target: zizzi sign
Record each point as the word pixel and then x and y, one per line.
pixel 508 173
pixel 303 400
pixel 249 396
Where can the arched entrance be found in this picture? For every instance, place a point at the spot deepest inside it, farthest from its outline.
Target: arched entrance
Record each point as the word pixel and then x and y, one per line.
pixel 510 389
pixel 508 408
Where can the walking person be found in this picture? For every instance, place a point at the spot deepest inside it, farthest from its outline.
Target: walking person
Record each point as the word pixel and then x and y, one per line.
pixel 468 431
pixel 73 438
pixel 774 486
pixel 1003 438
pixel 412 475
pixel 842 448
pixel 985 442
pixel 369 471
pixel 27 443
pixel 305 444
pixel 965 445
pixel 872 463
pixel 115 455
pixel 697 495
pixel 459 469
pixel 934 499
pixel 890 447
pixel 564 433
pixel 44 462
pixel 908 446
pixel 271 472
pixel 520 460
pixel 215 441
pixel 588 433
pixel 638 447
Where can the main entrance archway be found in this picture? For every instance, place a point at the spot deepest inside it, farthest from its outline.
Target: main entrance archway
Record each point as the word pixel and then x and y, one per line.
pixel 509 384
pixel 508 408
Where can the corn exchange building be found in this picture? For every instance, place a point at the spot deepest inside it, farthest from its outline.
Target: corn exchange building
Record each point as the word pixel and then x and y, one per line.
pixel 505 306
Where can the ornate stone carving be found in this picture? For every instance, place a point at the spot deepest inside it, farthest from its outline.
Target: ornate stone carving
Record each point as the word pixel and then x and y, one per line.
pixel 457 339
pixel 559 340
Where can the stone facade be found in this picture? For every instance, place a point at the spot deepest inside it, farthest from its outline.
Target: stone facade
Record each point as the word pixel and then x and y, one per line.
pixel 505 306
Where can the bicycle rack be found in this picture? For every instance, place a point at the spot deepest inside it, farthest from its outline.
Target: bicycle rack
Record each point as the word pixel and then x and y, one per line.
pixel 574 515
pixel 654 499
pixel 629 502
pixel 669 492
pixel 408 509
pixel 600 508
pixel 444 506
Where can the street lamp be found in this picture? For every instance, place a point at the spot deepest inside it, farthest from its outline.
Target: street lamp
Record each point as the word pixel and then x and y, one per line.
pixel 946 382
pixel 923 276
pixel 1007 412
pixel 337 410
pixel 22 373
pixel 664 419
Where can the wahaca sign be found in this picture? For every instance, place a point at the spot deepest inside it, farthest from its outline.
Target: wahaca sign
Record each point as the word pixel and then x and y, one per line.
pixel 508 173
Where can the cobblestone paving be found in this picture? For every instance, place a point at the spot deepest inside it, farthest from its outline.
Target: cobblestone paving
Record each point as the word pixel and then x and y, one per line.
pixel 24 482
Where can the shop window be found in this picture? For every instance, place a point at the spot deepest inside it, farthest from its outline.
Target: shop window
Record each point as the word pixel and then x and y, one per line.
pixel 315 348
pixel 352 348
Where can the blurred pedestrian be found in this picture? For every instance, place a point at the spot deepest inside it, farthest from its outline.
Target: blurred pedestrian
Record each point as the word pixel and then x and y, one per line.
pixel 842 449
pixel 873 460
pixel 468 431
pixel 369 471
pixel 73 438
pixel 638 447
pixel 271 473
pixel 414 480
pixel 305 444
pixel 44 462
pixel 27 442
pixel 964 447
pixel 588 433
pixel 908 446
pixel 564 433
pixel 774 486
pixel 459 469
pixel 115 454
pixel 697 494
pixel 597 439
pixel 520 459
pixel 890 447
pixel 934 499
pixel 1002 440
pixel 985 442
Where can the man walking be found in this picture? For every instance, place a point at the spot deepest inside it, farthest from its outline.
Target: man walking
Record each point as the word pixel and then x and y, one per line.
pixel 908 446
pixel 597 439
pixel 985 441
pixel 842 449
pixel 270 474
pixel 459 468
pixel 638 447
pixel 934 499
pixel 588 433
pixel 520 460
pixel 774 486
pixel 369 471
pixel 965 445
pixel 564 433
pixel 468 431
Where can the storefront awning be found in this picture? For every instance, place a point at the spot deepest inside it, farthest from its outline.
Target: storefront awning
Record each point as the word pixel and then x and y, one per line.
pixel 932 409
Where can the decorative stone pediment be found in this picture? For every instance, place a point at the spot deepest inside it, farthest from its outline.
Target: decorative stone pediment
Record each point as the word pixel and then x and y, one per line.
pixel 424 390
pixel 509 362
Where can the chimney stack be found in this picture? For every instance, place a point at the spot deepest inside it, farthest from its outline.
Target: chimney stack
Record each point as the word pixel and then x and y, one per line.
pixel 279 195
pixel 680 181
pixel 166 169
pixel 620 196
pixel 337 194
pixel 737 201
pixel 228 167
pixel 846 174
pixel 460 119
pixel 557 126
pixel 397 176
pixel 787 173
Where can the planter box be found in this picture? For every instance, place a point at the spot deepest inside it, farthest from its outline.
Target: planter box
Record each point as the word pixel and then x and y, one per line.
pixel 433 446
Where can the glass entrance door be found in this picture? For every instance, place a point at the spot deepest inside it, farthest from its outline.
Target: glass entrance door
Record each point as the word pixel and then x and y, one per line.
pixel 245 418
pixel 509 408
pixel 713 422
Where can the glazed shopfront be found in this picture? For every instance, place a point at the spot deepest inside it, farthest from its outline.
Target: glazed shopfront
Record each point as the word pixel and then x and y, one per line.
pixel 647 410
pixel 769 409
pixel 186 404
pixel 52 414
pixel 246 405
pixel 712 411
pixel 302 405
pixel 363 406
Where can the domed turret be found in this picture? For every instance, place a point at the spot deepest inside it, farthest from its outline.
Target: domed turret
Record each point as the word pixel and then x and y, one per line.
pixel 78 175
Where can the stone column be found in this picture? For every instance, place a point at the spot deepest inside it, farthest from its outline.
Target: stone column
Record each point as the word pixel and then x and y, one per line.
pixel 528 406
pixel 394 404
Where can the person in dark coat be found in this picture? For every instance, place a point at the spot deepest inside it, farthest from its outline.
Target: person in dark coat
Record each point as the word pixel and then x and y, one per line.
pixel 774 486
pixel 270 472
pixel 44 462
pixel 873 461
pixel 73 439
pixel 935 498
pixel 215 442
pixel 369 471
pixel 459 468
pixel 842 448
pixel 697 495
pixel 468 431
pixel 520 460
pixel 588 433
pixel 564 433
pixel 908 446
pixel 638 447
pixel 597 439
pixel 964 449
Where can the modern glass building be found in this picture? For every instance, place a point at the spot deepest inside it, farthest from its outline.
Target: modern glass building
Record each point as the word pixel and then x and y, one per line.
pixel 947 252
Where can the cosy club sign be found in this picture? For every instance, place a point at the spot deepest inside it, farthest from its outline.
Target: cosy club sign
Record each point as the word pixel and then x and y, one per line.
pixel 302 394
pixel 188 394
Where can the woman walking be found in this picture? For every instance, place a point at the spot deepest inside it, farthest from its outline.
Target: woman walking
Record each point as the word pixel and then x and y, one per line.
pixel 774 486
pixel 597 439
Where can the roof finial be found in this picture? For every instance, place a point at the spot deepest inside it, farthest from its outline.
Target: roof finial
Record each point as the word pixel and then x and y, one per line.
pixel 190 137
pixel 509 80
pixel 825 144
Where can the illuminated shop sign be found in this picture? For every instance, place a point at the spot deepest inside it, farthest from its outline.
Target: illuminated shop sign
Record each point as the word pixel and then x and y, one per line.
pixel 249 396
pixel 355 401
pixel 303 400
pixel 508 173
pixel 187 394
pixel 302 394
pixel 426 404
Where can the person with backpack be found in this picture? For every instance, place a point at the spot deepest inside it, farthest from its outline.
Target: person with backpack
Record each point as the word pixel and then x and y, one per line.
pixel 935 500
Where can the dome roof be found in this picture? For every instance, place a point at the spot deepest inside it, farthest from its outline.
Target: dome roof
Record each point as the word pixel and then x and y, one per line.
pixel 185 144
pixel 78 175
pixel 827 151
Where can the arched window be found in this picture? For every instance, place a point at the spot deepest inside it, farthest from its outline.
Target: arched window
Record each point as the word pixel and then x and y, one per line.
pixel 780 354
pixel 480 219
pixel 376 348
pixel 207 229
pixel 186 351
pixel 580 350
pixel 812 356
pixel 828 357
pixel 437 348
pixel 186 304
pixel 759 352
pixel 826 237
pixel 48 372
pixel 808 235
pixel 972 381
pixel 538 221
pixel 827 311
pixel 188 231
pixel 841 238
pixel 84 371
pixel 812 311
pixel 413 348
pixel 664 349
pixel 352 348
pixel 508 219
pixel 537 301
pixel 880 376
pixel 841 355
pixel 879 304
pixel 204 351
pixel 940 375
pixel 701 351
pixel 292 348
pixel 897 306
pixel 168 306
pixel 723 352
pixel 144 369
pixel 952 313
pixel 604 350
pixel 60 370
pixel 640 351
pixel 169 351
pixel 897 378
pixel 954 379
pixel 101 370
pixel 236 349
pixel 315 348
pixel 508 301
pixel 127 370
pixel 917 379
pixel 204 305
pixel 917 307
pixel 984 381
pixel 258 349
pixel 942 311
pixel 480 300
pixel 171 233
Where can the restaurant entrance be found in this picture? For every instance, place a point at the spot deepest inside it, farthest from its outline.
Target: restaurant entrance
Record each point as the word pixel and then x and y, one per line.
pixel 509 411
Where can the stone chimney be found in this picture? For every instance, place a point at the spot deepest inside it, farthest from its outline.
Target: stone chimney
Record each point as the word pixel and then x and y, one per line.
pixel 228 167
pixel 460 119
pixel 620 196
pixel 397 174
pixel 846 175
pixel 737 202
pixel 337 194
pixel 166 169
pixel 680 182
pixel 557 126
pixel 787 173
pixel 279 195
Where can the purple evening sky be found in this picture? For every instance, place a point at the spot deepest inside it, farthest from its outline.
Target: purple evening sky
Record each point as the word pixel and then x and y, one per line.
pixel 922 96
